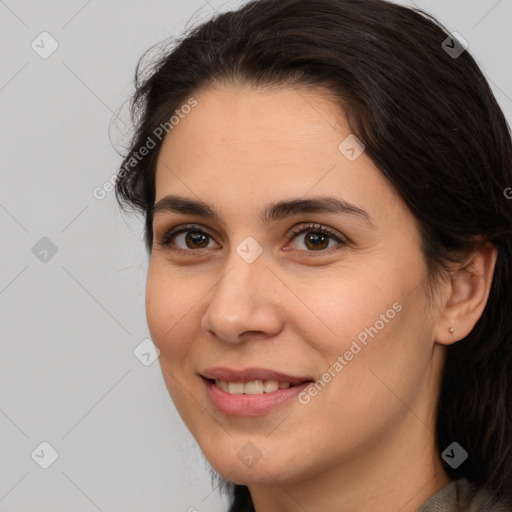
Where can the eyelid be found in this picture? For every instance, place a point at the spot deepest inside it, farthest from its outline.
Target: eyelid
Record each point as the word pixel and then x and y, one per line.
pixel 315 226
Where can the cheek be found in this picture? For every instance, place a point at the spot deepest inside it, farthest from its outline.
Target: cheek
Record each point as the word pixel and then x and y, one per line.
pixel 369 322
pixel 169 314
pixel 168 308
pixel 345 309
pixel 383 341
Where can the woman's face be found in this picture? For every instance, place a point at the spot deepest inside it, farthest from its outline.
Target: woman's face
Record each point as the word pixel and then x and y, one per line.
pixel 238 290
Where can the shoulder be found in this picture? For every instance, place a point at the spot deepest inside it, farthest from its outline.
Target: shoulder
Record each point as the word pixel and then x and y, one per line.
pixel 463 496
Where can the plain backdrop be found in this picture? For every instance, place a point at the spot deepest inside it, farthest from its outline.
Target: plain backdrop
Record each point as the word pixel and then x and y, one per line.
pixel 73 268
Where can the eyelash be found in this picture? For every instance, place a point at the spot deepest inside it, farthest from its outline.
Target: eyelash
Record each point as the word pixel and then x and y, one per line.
pixel 166 238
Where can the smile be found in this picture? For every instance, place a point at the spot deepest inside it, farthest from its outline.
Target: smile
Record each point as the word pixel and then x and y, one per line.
pixel 250 398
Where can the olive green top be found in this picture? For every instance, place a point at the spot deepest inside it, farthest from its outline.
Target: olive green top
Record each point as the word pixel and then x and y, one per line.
pixel 461 496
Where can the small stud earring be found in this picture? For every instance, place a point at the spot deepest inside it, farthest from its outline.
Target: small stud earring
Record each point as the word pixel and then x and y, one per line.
pixel 451 330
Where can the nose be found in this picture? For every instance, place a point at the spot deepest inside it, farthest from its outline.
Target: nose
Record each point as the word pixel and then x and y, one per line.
pixel 244 302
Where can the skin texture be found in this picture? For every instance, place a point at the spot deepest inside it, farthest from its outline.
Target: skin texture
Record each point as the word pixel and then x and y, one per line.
pixel 366 441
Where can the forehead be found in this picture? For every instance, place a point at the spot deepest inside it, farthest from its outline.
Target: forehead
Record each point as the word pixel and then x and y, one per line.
pixel 258 145
pixel 229 118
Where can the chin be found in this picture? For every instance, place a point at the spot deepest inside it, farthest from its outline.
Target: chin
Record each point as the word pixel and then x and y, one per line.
pixel 242 468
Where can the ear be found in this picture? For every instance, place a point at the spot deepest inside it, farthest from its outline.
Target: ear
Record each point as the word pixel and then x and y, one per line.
pixel 467 292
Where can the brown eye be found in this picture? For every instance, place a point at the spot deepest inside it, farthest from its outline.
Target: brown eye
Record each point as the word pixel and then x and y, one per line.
pixel 191 238
pixel 195 239
pixel 318 237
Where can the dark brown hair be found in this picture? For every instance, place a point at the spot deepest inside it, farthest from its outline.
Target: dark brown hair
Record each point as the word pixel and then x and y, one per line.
pixel 430 123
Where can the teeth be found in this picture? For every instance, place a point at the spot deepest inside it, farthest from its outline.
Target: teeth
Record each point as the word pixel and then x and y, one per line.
pixel 254 387
pixel 235 388
pixel 270 385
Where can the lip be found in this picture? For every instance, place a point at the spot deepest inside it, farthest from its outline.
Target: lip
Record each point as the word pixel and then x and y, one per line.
pixel 250 405
pixel 253 373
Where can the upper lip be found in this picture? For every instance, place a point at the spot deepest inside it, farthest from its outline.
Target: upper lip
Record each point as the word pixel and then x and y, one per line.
pixel 250 374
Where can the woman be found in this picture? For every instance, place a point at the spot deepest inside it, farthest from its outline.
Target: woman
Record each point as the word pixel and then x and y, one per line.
pixel 323 185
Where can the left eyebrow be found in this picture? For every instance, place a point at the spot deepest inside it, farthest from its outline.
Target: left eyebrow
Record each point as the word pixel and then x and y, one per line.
pixel 323 204
pixel 272 211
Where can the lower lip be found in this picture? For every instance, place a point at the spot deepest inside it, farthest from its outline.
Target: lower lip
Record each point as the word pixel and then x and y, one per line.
pixel 250 405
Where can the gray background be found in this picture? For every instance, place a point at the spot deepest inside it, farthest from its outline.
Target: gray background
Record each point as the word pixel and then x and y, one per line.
pixel 69 325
